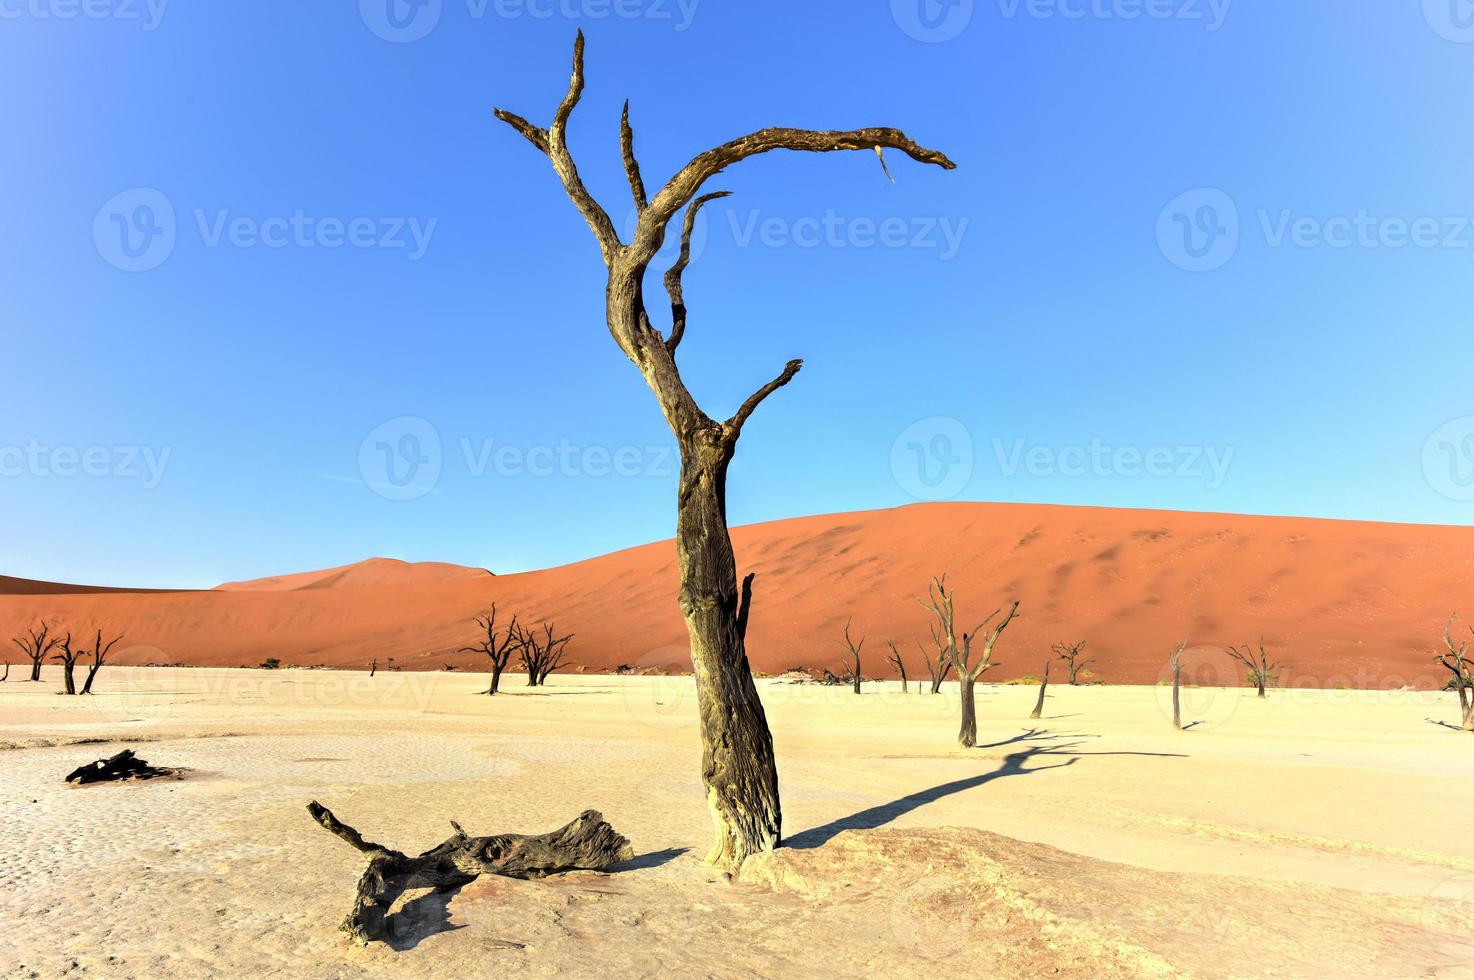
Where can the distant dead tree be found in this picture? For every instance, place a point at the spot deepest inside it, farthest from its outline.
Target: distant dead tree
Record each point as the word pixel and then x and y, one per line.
pixel 541 655
pixel 1071 654
pixel 68 659
pixel 938 662
pixel 1175 661
pixel 1043 686
pixel 895 661
pixel 99 657
pixel 7 673
pixel 498 647
pixel 373 667
pixel 852 666
pixel 1262 672
pixel 1463 673
pixel 738 763
pixel 940 602
pixel 36 645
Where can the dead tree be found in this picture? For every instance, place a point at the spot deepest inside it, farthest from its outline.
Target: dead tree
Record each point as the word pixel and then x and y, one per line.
pixel 1262 672
pixel 36 645
pixel 99 657
pixel 124 765
pixel 1071 654
pixel 1463 674
pixel 68 659
pixel 587 843
pixel 7 673
pixel 373 667
pixel 940 601
pixel 541 655
pixel 1175 660
pixel 938 662
pixel 738 765
pixel 853 653
pixel 1043 686
pixel 895 661
pixel 497 646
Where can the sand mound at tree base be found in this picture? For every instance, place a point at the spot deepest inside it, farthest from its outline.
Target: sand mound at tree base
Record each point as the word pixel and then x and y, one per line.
pixel 994 906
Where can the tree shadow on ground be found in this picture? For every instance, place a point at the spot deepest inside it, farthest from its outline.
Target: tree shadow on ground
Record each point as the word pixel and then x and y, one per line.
pixel 1013 765
pixel 652 860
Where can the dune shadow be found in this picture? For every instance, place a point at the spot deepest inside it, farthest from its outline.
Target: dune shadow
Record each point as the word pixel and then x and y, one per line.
pixel 1013 765
pixel 652 860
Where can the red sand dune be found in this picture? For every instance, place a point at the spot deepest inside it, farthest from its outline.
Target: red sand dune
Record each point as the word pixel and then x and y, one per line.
pixel 1355 603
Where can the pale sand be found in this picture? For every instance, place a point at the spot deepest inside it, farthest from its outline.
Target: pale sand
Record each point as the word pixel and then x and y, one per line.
pixel 1318 834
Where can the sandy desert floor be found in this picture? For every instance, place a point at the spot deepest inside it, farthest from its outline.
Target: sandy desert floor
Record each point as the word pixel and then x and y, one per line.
pixel 1320 833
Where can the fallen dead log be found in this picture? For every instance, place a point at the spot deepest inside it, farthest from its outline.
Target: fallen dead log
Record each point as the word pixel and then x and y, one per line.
pixel 587 844
pixel 124 765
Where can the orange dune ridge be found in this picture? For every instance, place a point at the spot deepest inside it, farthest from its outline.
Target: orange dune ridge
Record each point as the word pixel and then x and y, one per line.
pixel 1339 602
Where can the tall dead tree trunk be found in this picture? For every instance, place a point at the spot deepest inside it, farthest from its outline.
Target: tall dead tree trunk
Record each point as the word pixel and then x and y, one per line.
pixel 738 764
pixel 1043 686
pixel 99 657
pixel 1176 663
pixel 1463 675
pixel 895 661
pixel 68 659
pixel 37 645
pixel 853 649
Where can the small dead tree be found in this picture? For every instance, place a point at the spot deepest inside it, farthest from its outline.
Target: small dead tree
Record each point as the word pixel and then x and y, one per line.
pixel 1072 654
pixel 1043 686
pixel 738 763
pixel 1175 661
pixel 373 667
pixel 99 657
pixel 7 673
pixel 498 646
pixel 852 665
pixel 1458 664
pixel 1262 671
pixel 68 659
pixel 541 655
pixel 895 661
pixel 36 645
pixel 940 602
pixel 588 843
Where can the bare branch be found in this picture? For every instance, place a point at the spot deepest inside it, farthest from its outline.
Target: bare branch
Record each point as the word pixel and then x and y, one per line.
pixel 631 165
pixel 535 135
pixel 733 426
pixel 554 142
pixel 686 184
pixel 673 276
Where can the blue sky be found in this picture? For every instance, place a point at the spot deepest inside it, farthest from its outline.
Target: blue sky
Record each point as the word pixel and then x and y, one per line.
pixel 1194 257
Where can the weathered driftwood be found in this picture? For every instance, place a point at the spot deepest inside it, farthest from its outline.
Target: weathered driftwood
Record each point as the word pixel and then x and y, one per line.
pixel 587 843
pixel 124 765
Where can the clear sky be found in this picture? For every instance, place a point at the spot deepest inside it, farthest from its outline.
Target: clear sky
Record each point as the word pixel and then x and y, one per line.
pixel 280 294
